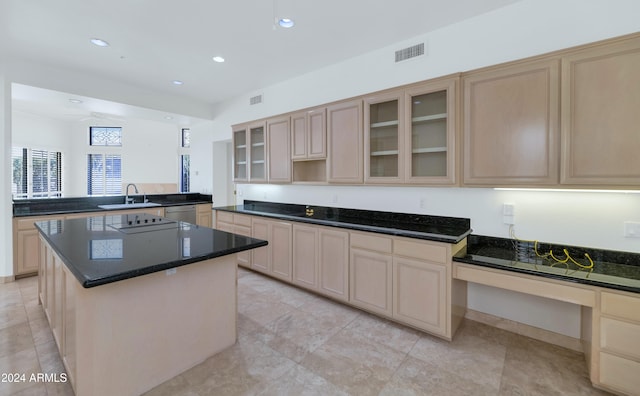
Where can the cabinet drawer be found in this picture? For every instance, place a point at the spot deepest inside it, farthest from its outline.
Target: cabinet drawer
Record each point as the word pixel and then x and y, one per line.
pixel 371 242
pixel 242 220
pixel 620 337
pixel 619 373
pixel 26 224
pixel 224 217
pixel 619 305
pixel 421 250
pixel 242 230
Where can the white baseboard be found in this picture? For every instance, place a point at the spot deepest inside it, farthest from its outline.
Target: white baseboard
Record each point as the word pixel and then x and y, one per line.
pixel 7 279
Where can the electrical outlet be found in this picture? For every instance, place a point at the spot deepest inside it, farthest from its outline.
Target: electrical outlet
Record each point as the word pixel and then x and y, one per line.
pixel 508 209
pixel 508 213
pixel 423 203
pixel 334 199
pixel 632 229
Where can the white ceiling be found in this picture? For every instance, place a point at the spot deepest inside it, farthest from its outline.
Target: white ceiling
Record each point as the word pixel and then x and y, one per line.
pixel 153 42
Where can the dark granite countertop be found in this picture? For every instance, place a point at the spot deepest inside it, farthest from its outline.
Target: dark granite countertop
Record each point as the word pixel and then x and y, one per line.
pixel 611 269
pixel 49 206
pixel 109 248
pixel 434 228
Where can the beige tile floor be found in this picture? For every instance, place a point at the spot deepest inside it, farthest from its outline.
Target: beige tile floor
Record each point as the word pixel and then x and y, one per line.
pixel 291 342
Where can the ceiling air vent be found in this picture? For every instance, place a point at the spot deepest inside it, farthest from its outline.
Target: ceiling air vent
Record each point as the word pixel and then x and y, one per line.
pixel 410 52
pixel 255 100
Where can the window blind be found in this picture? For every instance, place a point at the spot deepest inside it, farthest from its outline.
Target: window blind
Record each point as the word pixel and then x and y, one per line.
pixel 104 174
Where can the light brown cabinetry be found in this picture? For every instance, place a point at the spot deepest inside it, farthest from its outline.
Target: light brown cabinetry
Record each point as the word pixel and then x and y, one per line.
pixel 275 259
pixel 333 263
pixel 370 277
pixel 309 146
pixel 260 256
pixel 511 125
pixel 321 260
pixel 280 249
pixel 26 239
pixel 278 150
pixel 345 143
pixel 384 136
pixel 309 135
pixel 430 139
pixel 420 294
pixel 257 153
pixel 600 117
pixel 204 215
pixel 236 224
pixel 240 153
pixel 410 134
pixel 26 245
pixel 404 279
pixel 619 342
pixel 305 256
pixel 249 152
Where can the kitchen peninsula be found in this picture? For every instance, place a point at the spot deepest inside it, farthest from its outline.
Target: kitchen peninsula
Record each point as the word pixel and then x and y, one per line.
pixel 135 299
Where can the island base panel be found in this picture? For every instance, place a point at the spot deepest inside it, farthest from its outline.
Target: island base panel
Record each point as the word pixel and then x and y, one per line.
pixel 135 334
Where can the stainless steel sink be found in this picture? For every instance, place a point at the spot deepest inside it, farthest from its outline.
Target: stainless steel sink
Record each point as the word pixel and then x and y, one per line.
pixel 130 205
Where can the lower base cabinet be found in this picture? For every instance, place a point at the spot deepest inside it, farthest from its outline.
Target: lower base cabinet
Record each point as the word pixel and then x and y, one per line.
pixel 321 260
pixel 260 256
pixel 305 256
pixel 420 294
pixel 370 273
pixel 404 279
pixel 333 263
pixel 26 238
pixel 618 343
pixel 280 249
pixel 275 259
pixel 237 224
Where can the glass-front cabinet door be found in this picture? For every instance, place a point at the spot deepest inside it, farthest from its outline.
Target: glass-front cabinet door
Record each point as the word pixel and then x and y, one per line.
pixel 430 140
pixel 384 138
pixel 257 157
pixel 240 154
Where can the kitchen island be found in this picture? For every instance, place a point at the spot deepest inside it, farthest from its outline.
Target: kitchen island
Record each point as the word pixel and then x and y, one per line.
pixel 134 300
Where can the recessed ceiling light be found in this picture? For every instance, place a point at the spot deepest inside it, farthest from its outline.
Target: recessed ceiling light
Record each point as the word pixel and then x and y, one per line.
pixel 99 42
pixel 218 59
pixel 177 82
pixel 168 118
pixel 286 22
pixel 75 101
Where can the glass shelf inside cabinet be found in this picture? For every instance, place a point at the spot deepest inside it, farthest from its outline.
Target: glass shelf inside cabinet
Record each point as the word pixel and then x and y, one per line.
pixel 429 134
pixel 240 154
pixel 257 153
pixel 383 139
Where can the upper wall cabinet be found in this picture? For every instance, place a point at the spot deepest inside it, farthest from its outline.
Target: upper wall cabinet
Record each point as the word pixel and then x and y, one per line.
pixel 240 138
pixel 345 142
pixel 601 115
pixel 278 150
pixel 384 138
pixel 511 125
pixel 430 137
pixel 309 146
pixel 257 153
pixel 309 135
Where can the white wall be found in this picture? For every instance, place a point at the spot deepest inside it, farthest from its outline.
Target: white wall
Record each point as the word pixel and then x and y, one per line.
pixel 527 28
pixel 38 132
pixel 150 152
pixel 6 240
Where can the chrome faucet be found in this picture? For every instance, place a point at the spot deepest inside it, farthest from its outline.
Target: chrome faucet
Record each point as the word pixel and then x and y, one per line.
pixel 128 200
